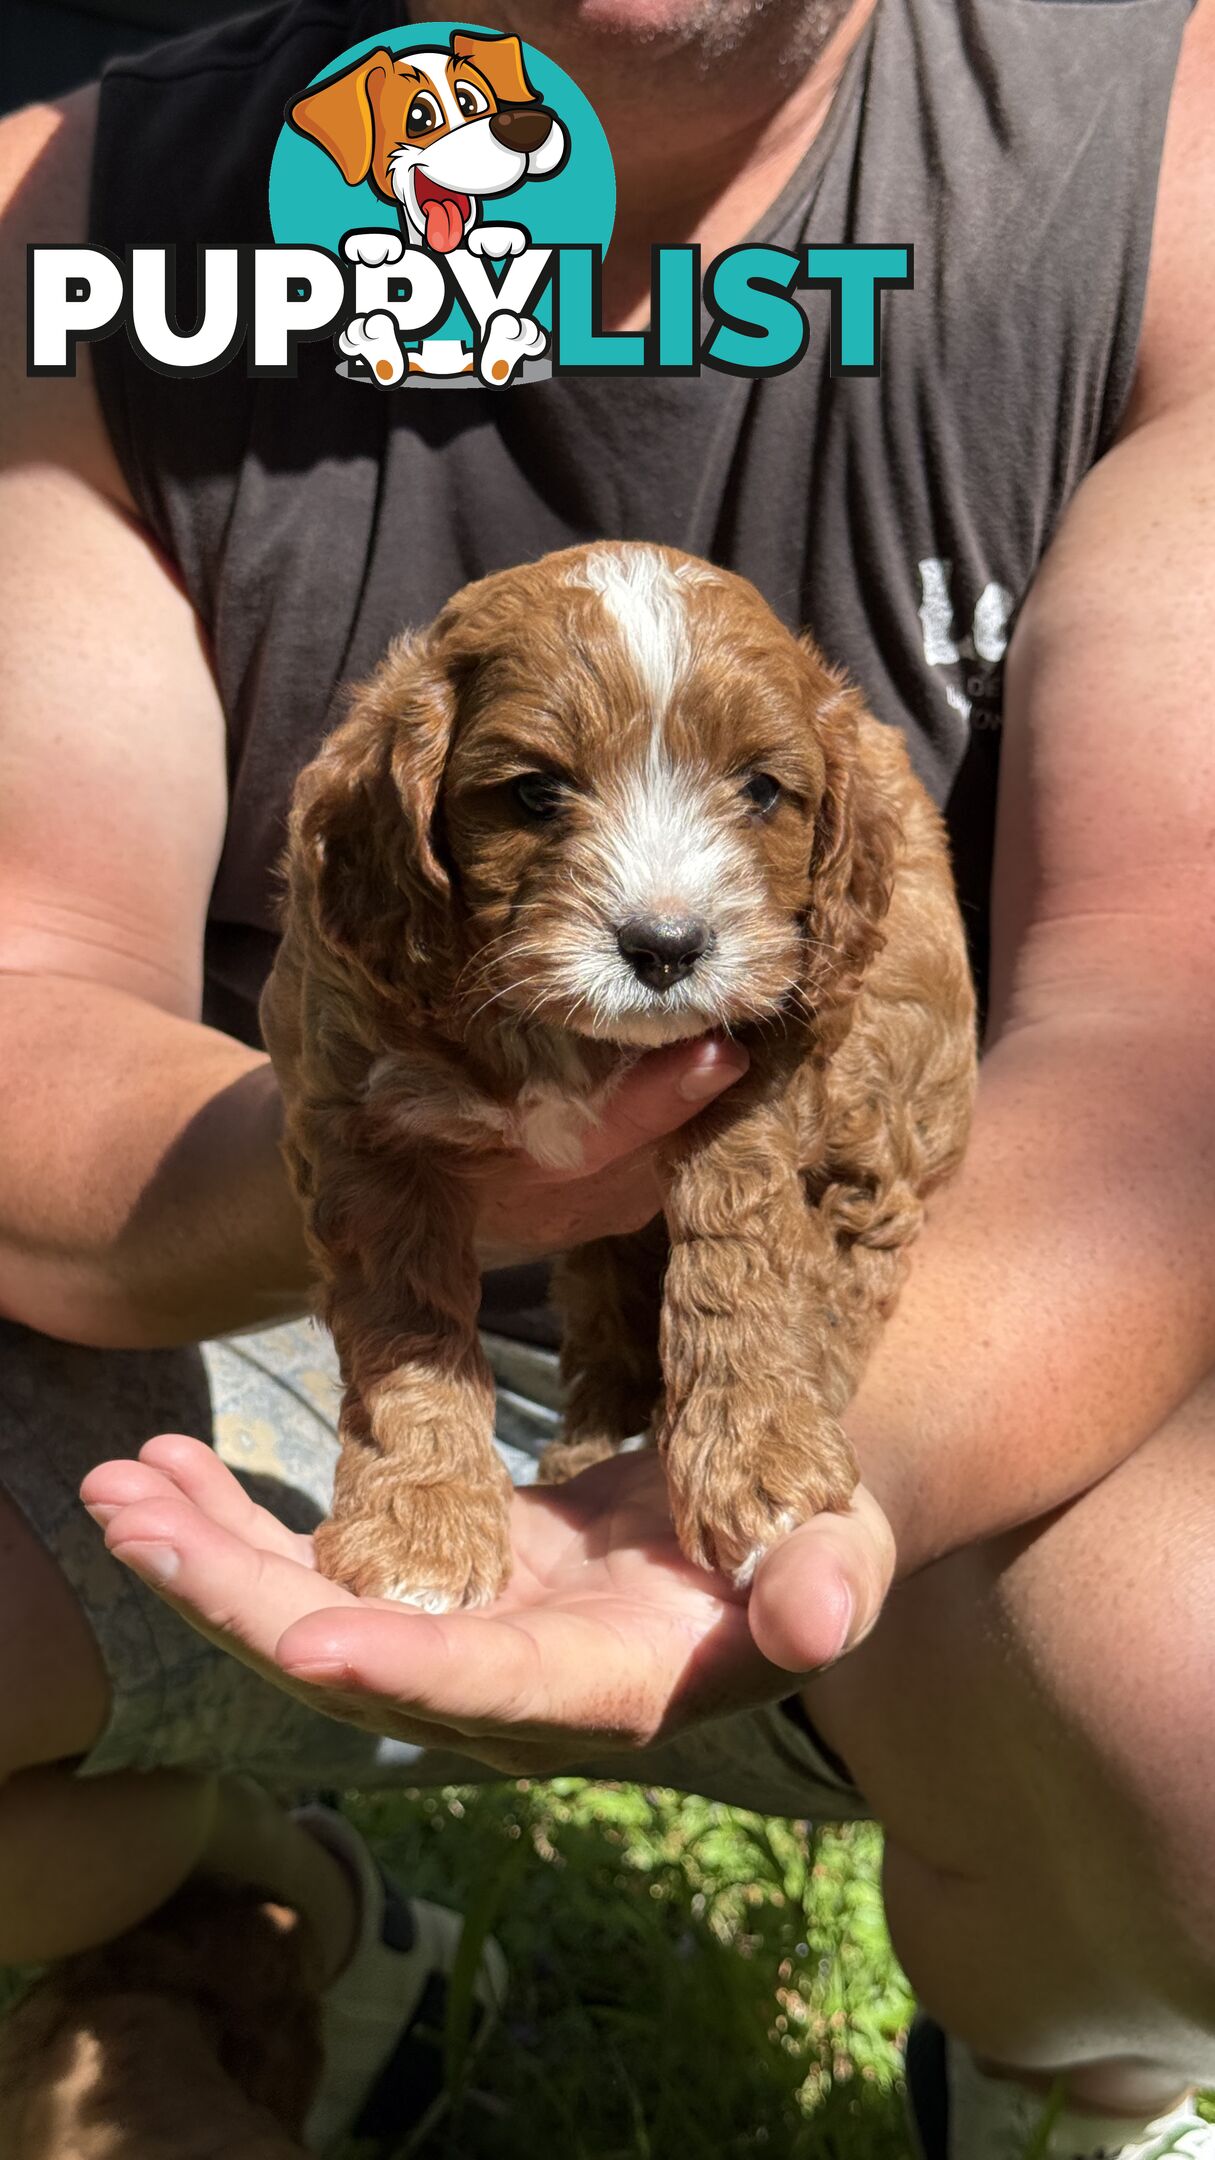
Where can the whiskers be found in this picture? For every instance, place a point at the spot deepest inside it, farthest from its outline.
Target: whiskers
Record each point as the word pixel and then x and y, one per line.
pixel 557 963
pixel 508 990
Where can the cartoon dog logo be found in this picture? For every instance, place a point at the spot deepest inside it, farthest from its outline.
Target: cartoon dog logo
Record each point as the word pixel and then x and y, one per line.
pixel 437 132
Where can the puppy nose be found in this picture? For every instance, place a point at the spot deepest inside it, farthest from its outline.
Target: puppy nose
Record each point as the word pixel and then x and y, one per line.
pixel 661 950
pixel 522 131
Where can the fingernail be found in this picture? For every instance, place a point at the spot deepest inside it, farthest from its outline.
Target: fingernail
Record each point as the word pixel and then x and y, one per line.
pixel 318 1671
pixel 159 1563
pixel 713 1074
pixel 100 1512
pixel 847 1607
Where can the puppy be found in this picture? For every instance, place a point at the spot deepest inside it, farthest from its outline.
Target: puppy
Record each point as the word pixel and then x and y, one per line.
pixel 608 802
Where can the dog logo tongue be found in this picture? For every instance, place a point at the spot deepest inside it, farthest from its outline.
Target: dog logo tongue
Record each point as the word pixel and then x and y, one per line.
pixel 444 225
pixel 446 213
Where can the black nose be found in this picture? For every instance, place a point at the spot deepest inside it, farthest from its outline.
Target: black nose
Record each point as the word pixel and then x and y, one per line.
pixel 661 950
pixel 521 130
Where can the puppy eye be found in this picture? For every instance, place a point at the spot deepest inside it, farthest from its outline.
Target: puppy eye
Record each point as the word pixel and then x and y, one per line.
pixel 538 793
pixel 762 792
pixel 423 115
pixel 471 100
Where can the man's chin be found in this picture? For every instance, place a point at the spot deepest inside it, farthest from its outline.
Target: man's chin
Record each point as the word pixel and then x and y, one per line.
pixel 643 18
pixel 679 22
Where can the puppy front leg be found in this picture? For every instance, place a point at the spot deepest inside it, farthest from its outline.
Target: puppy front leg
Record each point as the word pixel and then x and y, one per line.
pixel 750 1427
pixel 420 1503
pixel 609 1295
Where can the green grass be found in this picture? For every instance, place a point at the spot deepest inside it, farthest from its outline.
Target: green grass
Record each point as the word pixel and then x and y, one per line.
pixel 689 1982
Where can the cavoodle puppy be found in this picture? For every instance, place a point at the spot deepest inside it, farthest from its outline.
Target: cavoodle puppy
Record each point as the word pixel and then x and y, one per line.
pixel 608 802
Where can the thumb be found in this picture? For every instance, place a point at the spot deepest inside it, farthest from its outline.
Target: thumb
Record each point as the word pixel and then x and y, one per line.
pixel 660 1093
pixel 818 1593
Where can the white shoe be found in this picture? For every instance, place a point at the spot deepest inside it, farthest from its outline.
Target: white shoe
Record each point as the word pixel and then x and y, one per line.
pixel 382 2020
pixel 959 2113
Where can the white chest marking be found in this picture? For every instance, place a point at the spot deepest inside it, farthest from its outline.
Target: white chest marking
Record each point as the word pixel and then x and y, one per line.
pixel 549 1119
pixel 551 1125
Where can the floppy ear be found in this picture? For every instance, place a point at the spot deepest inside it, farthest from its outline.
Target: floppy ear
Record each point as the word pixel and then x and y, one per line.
pixel 852 863
pixel 500 60
pixel 363 859
pixel 341 114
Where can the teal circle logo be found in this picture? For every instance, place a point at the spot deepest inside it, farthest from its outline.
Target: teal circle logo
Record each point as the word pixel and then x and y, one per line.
pixel 464 145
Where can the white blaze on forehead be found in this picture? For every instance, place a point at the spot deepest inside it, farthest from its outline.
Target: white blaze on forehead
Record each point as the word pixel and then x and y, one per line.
pixel 647 600
pixel 660 846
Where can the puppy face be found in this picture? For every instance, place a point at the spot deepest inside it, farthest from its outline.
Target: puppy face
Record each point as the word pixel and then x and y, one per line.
pixel 617 788
pixel 434 131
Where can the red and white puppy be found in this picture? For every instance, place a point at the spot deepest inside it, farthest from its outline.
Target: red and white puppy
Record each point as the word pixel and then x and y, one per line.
pixel 605 802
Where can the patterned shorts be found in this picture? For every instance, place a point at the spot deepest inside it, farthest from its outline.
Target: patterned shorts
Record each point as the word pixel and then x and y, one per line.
pixel 268 1403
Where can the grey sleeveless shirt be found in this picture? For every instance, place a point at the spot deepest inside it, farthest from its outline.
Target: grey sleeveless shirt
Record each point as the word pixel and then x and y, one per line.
pixel 1016 143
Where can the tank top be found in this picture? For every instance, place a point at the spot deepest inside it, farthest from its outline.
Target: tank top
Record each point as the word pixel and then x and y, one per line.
pixel 1015 143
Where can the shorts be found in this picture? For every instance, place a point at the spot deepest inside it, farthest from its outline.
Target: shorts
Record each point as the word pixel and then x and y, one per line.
pixel 268 1404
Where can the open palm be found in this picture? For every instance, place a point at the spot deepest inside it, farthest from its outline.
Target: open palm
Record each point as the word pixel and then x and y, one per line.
pixel 605 1633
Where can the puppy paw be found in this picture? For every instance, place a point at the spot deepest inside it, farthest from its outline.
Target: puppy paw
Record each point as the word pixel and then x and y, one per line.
pixel 436 1547
pixel 563 1459
pixel 741 1477
pixel 509 340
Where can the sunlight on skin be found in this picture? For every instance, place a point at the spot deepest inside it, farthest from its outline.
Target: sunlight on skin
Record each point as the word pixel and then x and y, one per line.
pixel 605 1633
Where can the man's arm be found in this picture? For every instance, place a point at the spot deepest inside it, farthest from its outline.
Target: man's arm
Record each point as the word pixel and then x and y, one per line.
pixel 1063 1300
pixel 140 1194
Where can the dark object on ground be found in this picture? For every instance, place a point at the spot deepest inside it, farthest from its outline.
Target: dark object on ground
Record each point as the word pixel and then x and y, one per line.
pixel 193 2037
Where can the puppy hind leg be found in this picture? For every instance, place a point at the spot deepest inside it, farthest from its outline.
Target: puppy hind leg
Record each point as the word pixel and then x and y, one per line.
pixel 609 1294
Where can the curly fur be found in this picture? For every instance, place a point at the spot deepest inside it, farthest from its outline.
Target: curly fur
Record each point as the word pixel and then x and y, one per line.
pixel 449 984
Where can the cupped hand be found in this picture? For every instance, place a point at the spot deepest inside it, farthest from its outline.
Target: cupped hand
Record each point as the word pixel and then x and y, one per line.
pixel 605 1639
pixel 527 1212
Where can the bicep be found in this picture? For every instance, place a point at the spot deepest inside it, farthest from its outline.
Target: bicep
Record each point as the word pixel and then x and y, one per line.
pixel 112 764
pixel 1104 884
pixel 112 757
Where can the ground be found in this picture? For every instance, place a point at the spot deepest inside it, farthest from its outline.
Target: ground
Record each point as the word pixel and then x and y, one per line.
pixel 688 1981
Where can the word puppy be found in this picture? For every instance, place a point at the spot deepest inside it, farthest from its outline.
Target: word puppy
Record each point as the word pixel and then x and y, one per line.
pixel 608 802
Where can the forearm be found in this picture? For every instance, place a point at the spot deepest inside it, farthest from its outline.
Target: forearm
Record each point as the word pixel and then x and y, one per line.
pixel 142 1197
pixel 1062 1299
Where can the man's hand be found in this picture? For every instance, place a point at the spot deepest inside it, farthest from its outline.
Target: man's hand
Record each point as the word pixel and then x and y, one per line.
pixel 528 1213
pixel 605 1639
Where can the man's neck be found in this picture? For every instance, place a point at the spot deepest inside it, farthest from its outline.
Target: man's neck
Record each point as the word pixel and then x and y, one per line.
pixel 708 109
